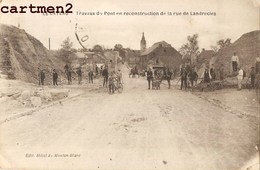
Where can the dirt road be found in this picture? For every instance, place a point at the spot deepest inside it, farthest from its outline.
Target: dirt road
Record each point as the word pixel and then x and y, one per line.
pixel 138 129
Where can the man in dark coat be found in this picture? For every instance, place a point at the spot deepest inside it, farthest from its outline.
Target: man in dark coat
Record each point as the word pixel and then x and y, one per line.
pixel 79 73
pixel 149 77
pixel 41 77
pixel 105 75
pixel 206 76
pixel 168 75
pixel 55 77
pixel 68 73
pixel 252 76
pixel 90 76
pixel 183 77
pixel 193 77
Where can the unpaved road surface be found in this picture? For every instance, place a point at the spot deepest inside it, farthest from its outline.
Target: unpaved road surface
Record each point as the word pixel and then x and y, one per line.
pixel 138 129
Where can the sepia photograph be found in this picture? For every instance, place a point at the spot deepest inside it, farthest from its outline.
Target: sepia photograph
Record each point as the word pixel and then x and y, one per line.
pixel 129 85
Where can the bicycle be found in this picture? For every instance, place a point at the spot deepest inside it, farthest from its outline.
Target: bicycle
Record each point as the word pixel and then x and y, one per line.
pixel 116 86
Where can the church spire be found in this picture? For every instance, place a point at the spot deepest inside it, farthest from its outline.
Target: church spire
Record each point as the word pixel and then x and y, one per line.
pixel 143 43
pixel 143 38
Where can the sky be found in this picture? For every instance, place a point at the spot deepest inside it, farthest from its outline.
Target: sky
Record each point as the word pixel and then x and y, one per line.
pixel 233 18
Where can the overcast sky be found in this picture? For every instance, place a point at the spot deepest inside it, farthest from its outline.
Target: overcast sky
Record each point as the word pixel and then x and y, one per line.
pixel 233 18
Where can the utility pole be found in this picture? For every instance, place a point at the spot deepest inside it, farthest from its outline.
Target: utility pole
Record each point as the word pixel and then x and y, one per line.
pixel 49 43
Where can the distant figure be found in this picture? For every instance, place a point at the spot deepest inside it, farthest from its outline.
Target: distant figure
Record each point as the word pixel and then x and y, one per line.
pixel 221 72
pixel 55 78
pixel 193 77
pixel 119 75
pixel 149 77
pixel 212 72
pixel 68 74
pixel 240 77
pixel 252 76
pixel 101 69
pixel 96 70
pixel 234 60
pixel 257 64
pixel 168 75
pixel 206 76
pixel 79 73
pixel 183 75
pixel 111 86
pixel 41 77
pixel 105 76
pixel 90 76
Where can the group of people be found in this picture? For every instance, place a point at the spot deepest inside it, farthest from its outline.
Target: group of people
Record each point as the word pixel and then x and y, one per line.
pixel 211 75
pixel 114 80
pixel 188 76
pixel 68 72
pixel 241 74
pixel 41 76
pixel 158 76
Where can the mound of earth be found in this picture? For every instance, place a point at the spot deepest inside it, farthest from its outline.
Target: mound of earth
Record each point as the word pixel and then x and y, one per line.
pixel 247 47
pixel 22 55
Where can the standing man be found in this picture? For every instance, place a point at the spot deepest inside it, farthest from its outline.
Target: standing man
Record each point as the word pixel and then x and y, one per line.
pixel 119 74
pixel 149 77
pixel 90 76
pixel 168 75
pixel 68 73
pixel 105 75
pixel 183 77
pixel 206 76
pixel 55 78
pixel 193 77
pixel 234 60
pixel 96 69
pixel 252 76
pixel 41 77
pixel 240 77
pixel 79 73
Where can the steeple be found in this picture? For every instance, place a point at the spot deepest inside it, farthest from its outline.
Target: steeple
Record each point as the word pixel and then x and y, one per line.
pixel 143 43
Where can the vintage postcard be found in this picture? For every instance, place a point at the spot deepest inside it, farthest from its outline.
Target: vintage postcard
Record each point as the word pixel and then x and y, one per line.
pixel 129 84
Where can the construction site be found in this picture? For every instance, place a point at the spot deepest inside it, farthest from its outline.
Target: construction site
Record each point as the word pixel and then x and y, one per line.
pixel 87 104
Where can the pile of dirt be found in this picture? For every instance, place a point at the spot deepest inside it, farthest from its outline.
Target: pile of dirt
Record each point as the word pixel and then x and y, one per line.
pixel 247 47
pixel 22 55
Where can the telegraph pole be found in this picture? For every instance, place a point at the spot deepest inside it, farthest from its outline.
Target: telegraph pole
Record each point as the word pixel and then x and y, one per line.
pixel 49 43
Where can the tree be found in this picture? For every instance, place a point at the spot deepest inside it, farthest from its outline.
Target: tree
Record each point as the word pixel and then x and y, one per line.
pixel 223 43
pixel 215 48
pixel 190 50
pixel 66 49
pixel 98 48
pixel 118 47
pixel 67 44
